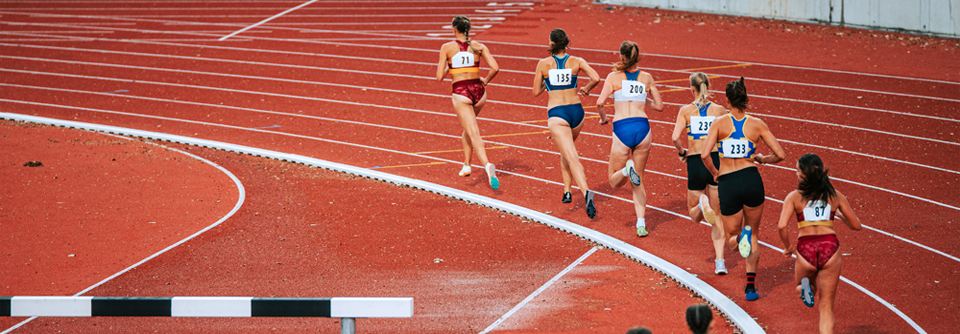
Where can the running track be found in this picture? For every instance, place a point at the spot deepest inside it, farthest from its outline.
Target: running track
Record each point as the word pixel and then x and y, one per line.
pixel 352 83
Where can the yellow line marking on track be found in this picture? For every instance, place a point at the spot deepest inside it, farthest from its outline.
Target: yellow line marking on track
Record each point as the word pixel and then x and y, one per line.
pixel 688 79
pixel 543 120
pixel 450 151
pixel 716 67
pixel 517 134
pixel 414 165
pixel 672 90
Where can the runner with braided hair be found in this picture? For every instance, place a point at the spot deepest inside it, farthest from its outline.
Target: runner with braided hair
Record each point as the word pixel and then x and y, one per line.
pixel 461 59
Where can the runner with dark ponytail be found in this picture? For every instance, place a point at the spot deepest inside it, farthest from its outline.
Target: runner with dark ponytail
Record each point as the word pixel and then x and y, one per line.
pixel 557 75
pixel 461 59
pixel 736 136
pixel 815 204
pixel 699 318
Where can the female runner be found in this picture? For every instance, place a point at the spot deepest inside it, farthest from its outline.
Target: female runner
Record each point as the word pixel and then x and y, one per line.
pixel 696 118
pixel 815 203
pixel 740 188
pixel 461 58
pixel 632 91
pixel 557 74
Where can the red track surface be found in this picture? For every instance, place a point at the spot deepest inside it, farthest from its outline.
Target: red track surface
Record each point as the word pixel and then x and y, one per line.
pixel 885 137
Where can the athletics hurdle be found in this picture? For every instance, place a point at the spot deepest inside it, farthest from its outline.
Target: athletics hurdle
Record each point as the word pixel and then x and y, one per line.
pixel 348 309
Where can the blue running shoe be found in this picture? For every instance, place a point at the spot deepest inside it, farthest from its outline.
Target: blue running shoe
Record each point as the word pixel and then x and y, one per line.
pixel 806 293
pixel 745 241
pixel 751 294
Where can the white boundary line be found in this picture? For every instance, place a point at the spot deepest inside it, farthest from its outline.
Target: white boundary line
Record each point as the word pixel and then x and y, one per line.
pixel 736 314
pixel 267 20
pixel 241 198
pixel 539 291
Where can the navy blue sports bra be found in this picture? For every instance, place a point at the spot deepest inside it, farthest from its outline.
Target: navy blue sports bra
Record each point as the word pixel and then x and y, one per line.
pixel 561 76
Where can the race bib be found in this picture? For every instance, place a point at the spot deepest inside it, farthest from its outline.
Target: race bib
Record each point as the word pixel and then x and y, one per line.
pixel 462 59
pixel 560 77
pixel 633 88
pixel 700 125
pixel 734 148
pixel 816 211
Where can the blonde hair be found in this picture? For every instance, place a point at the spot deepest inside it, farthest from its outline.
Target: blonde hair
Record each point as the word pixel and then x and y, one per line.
pixel 701 83
pixel 631 56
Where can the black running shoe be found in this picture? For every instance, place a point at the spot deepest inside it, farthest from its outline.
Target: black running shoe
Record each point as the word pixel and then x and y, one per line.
pixel 567 198
pixel 591 210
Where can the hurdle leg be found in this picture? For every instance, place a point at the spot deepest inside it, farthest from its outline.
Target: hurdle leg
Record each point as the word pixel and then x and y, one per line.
pixel 348 326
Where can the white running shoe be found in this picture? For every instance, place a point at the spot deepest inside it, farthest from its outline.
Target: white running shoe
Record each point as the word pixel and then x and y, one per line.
pixel 632 173
pixel 465 171
pixel 721 268
pixel 492 176
pixel 708 213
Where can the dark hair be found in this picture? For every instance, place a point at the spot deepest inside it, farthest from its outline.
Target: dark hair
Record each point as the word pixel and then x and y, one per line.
pixel 639 330
pixel 814 183
pixel 631 54
pixel 462 24
pixel 701 83
pixel 560 41
pixel 737 94
pixel 699 317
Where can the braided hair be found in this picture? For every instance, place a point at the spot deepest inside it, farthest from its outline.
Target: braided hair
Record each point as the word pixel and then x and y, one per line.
pixel 462 24
pixel 631 56
pixel 699 317
pixel 814 182
pixel 560 41
pixel 737 94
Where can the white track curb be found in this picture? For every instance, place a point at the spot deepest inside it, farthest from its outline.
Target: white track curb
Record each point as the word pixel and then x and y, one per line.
pixel 737 315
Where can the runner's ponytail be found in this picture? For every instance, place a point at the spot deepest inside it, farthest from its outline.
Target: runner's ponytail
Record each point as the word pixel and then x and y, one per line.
pixel 462 24
pixel 560 41
pixel 701 83
pixel 699 317
pixel 631 56
pixel 814 182
pixel 737 94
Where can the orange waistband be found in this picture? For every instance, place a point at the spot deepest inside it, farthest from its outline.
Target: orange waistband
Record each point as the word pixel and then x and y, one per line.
pixel 465 70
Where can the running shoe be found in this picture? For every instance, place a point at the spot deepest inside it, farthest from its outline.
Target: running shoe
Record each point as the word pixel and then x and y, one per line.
pixel 751 294
pixel 642 231
pixel 465 171
pixel 721 267
pixel 806 293
pixel 634 177
pixel 708 212
pixel 492 176
pixel 591 210
pixel 567 197
pixel 746 236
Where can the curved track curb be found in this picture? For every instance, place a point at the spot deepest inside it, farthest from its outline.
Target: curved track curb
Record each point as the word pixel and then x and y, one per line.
pixel 737 315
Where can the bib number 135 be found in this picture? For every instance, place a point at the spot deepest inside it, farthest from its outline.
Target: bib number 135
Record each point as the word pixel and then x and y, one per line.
pixel 560 77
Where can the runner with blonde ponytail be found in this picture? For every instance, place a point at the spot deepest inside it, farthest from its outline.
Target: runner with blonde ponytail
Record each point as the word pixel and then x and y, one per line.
pixel 695 119
pixel 461 59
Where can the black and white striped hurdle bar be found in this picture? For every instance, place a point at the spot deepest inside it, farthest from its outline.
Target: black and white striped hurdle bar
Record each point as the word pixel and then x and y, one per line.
pixel 338 307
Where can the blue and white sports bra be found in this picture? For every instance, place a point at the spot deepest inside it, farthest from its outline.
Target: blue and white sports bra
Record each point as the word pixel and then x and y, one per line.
pixel 631 88
pixel 560 78
pixel 737 145
pixel 700 124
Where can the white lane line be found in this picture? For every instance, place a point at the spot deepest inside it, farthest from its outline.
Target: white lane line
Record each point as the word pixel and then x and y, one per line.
pixel 667 70
pixel 493 101
pixel 539 291
pixel 714 298
pixel 430 78
pixel 428 133
pixel 384 90
pixel 241 198
pixel 268 19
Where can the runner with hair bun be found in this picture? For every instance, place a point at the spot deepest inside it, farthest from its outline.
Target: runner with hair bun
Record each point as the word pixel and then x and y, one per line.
pixel 557 75
pixel 461 59
pixel 815 203
pixel 736 136
pixel 633 90
pixel 695 119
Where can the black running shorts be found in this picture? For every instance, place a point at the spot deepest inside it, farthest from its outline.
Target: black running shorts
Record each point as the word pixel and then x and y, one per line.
pixel 738 189
pixel 698 177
